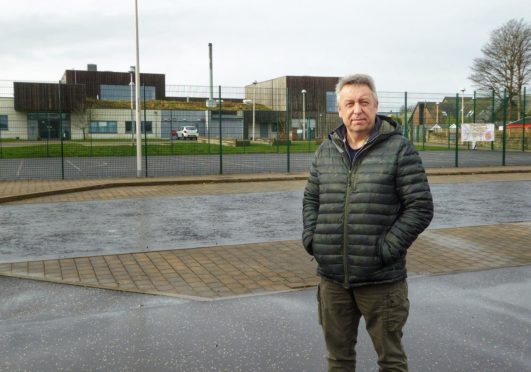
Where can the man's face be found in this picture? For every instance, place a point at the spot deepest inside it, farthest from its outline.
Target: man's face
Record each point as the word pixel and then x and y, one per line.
pixel 357 109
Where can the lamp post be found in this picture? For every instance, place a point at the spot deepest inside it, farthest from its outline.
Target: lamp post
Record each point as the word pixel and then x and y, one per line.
pixel 254 106
pixel 303 114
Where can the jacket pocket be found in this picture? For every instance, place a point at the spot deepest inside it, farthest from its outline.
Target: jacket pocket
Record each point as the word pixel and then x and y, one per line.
pixel 308 245
pixel 380 249
pixel 383 250
pixel 397 307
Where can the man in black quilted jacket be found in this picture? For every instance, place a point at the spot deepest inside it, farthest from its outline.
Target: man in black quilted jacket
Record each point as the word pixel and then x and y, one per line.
pixel 366 201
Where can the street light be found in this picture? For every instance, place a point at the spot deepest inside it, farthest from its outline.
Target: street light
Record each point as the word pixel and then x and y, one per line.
pixel 303 114
pixel 254 105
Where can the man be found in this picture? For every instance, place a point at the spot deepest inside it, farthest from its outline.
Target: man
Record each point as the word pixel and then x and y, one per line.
pixel 366 200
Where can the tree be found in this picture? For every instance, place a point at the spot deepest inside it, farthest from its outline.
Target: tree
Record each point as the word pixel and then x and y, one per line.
pixel 506 62
pixel 80 119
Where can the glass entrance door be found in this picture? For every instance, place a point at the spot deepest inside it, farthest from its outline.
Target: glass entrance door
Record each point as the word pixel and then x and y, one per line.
pixel 47 125
pixel 49 129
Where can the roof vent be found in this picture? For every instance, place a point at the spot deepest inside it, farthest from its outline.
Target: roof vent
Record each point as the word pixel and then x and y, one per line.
pixel 92 67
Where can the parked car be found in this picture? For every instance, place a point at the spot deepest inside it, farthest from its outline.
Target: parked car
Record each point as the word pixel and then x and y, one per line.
pixel 187 132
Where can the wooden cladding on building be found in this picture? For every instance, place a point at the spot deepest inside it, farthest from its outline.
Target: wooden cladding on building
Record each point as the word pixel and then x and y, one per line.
pixel 316 88
pixel 94 79
pixel 45 97
pixel 76 87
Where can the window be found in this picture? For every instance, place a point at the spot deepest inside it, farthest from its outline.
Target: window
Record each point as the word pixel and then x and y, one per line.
pixel 123 92
pixel 103 127
pixel 3 122
pixel 130 127
pixel 331 105
pixel 47 116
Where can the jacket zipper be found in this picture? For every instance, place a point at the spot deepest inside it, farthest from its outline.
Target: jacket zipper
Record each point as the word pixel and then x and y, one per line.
pixel 346 211
pixel 348 164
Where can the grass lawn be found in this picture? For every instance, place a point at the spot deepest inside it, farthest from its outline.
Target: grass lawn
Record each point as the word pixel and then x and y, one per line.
pixel 127 148
pixel 160 148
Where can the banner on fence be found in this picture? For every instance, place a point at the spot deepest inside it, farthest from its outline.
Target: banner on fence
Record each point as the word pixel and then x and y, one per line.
pixel 477 132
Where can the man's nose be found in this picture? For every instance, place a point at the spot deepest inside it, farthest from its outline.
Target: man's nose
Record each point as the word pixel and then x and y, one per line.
pixel 357 108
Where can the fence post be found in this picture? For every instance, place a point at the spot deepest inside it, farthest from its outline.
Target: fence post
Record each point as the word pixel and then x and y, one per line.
pixel 133 124
pixel 171 130
pixel 145 131
pixel 209 125
pixel 448 131
pixel 523 121
pixel 493 116
pixel 423 136
pixel 278 131
pixel 1 154
pixel 220 139
pixel 405 116
pixel 61 134
pixel 504 136
pixel 288 122
pixel 457 130
pixel 307 134
pixel 90 131
pixel 474 108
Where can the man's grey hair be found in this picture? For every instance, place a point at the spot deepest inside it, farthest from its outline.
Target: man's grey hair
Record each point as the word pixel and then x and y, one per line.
pixel 356 79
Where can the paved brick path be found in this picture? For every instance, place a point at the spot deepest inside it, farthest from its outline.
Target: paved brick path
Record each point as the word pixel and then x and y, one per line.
pixel 215 272
pixel 29 191
pixel 235 270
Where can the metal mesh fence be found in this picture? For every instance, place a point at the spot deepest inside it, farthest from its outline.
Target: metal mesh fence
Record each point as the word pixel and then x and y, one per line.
pixel 195 130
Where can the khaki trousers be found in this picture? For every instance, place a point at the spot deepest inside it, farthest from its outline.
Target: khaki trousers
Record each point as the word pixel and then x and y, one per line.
pixel 385 308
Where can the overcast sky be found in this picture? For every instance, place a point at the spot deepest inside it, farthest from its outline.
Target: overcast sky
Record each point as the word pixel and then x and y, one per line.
pixel 407 45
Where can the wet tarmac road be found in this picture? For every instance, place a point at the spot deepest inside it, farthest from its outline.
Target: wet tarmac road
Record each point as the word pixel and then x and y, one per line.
pixel 465 322
pixel 73 229
pixel 118 166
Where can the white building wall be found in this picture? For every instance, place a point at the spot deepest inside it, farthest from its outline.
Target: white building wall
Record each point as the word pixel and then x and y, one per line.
pixel 120 116
pixel 17 126
pixel 18 122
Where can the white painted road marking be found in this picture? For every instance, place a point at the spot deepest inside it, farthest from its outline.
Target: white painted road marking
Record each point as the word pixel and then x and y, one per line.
pixel 20 167
pixel 73 165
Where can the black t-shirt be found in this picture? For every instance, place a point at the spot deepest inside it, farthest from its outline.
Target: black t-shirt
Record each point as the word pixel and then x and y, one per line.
pixel 351 152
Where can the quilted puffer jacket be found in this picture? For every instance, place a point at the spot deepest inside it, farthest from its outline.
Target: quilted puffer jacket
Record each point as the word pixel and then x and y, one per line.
pixel 361 216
